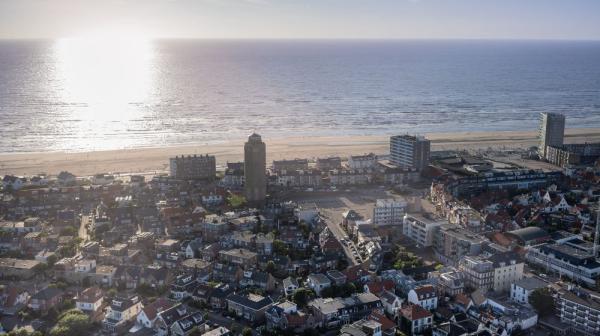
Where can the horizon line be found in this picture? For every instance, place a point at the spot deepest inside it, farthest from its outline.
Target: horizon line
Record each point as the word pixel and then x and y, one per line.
pixel 158 38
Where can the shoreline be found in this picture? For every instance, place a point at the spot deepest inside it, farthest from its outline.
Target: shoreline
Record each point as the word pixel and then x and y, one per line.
pixel 149 159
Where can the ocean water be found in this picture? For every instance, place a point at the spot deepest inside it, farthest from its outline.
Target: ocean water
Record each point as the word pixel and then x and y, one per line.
pixel 77 95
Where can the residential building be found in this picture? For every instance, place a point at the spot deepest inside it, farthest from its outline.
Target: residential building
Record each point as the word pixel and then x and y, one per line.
pixel 239 256
pixel 478 272
pixel 580 309
pixel 120 313
pixel 255 169
pixel 251 307
pixel 452 243
pixel 361 327
pixel 416 320
pixel 18 268
pixel 330 163
pixel 290 285
pixel 290 165
pixel 424 296
pixel 332 312
pixel 194 167
pixel 46 299
pixel 318 282
pixel 577 264
pixel 521 289
pixel 90 300
pixel 551 131
pixel 149 314
pixel 419 229
pixel 367 161
pixel 573 154
pixel 410 151
pixel 496 272
pixel 388 212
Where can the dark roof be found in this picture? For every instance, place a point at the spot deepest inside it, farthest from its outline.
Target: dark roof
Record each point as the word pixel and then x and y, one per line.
pixel 531 233
pixel 252 301
pixel 47 293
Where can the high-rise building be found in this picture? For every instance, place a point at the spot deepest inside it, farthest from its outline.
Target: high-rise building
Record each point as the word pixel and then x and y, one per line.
pixel 255 166
pixel 193 167
pixel 410 151
pixel 552 131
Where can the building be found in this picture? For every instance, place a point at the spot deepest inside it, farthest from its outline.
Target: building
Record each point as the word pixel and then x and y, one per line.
pixel 388 212
pixel 416 320
pixel 498 271
pixel 11 268
pixel 424 296
pixel 566 260
pixel 452 243
pixel 580 309
pixel 410 151
pixel 194 167
pixel 46 299
pixel 290 165
pixel 330 163
pixel 420 229
pixel 332 312
pixel 521 289
pixel 551 132
pixel 120 313
pixel 367 161
pixel 251 307
pixel 573 154
pixel 318 282
pixel 255 166
pixel 90 300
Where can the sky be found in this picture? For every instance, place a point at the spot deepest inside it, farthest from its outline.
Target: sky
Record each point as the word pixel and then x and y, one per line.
pixel 361 19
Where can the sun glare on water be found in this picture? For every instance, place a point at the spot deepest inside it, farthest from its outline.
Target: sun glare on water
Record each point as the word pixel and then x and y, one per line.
pixel 104 73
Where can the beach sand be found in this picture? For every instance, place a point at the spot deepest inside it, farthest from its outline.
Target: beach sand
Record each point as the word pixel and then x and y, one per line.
pixel 156 159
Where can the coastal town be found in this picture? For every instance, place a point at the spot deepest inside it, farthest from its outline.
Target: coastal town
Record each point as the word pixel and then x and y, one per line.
pixel 410 242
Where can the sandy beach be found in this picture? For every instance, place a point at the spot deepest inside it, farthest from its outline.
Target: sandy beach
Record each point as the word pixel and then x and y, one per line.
pixel 156 159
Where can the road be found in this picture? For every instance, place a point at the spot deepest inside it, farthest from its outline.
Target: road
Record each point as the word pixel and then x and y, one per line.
pixel 83 232
pixel 339 234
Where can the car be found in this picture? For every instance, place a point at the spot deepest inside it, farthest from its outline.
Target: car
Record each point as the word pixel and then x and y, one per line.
pixel 542 275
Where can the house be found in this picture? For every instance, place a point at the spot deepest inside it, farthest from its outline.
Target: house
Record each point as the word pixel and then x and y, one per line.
pixel 147 317
pixel 521 289
pixel 391 302
pixel 332 312
pixel 415 319
pixel 318 282
pixel 290 285
pixel 183 287
pixel 377 287
pixel 166 319
pixel 46 299
pixel 121 312
pixel 336 277
pixel 185 325
pixel 424 296
pixel 219 331
pixel 362 327
pixel 18 268
pixel 193 248
pixel 258 279
pixel 90 300
pixel 240 257
pixel 12 300
pixel 104 275
pixel 251 307
pixel 388 327
pixel 274 315
pixel 357 275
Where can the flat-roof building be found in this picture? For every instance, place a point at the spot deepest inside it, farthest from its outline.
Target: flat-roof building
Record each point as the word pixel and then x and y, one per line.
pixel 410 151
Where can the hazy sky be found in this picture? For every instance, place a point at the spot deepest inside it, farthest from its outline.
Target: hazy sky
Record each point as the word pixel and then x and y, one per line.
pixel 537 19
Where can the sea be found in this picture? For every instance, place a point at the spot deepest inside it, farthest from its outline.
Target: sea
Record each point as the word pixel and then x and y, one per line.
pixel 84 95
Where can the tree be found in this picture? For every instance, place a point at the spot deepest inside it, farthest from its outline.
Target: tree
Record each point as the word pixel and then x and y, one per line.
pixel 270 267
pixel 542 301
pixel 72 322
pixel 279 247
pixel 247 332
pixel 301 296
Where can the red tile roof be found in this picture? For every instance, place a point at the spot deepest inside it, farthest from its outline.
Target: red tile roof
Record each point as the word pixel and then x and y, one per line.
pixel 415 312
pixel 156 307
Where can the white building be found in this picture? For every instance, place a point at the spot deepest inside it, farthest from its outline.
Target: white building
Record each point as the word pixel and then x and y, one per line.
pixel 521 289
pixel 307 212
pixel 580 309
pixel 424 296
pixel 552 131
pixel 362 161
pixel 388 212
pixel 420 229
pixel 90 300
pixel 318 282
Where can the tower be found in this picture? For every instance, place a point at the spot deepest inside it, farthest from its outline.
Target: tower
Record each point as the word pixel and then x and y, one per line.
pixel 410 151
pixel 552 131
pixel 255 166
